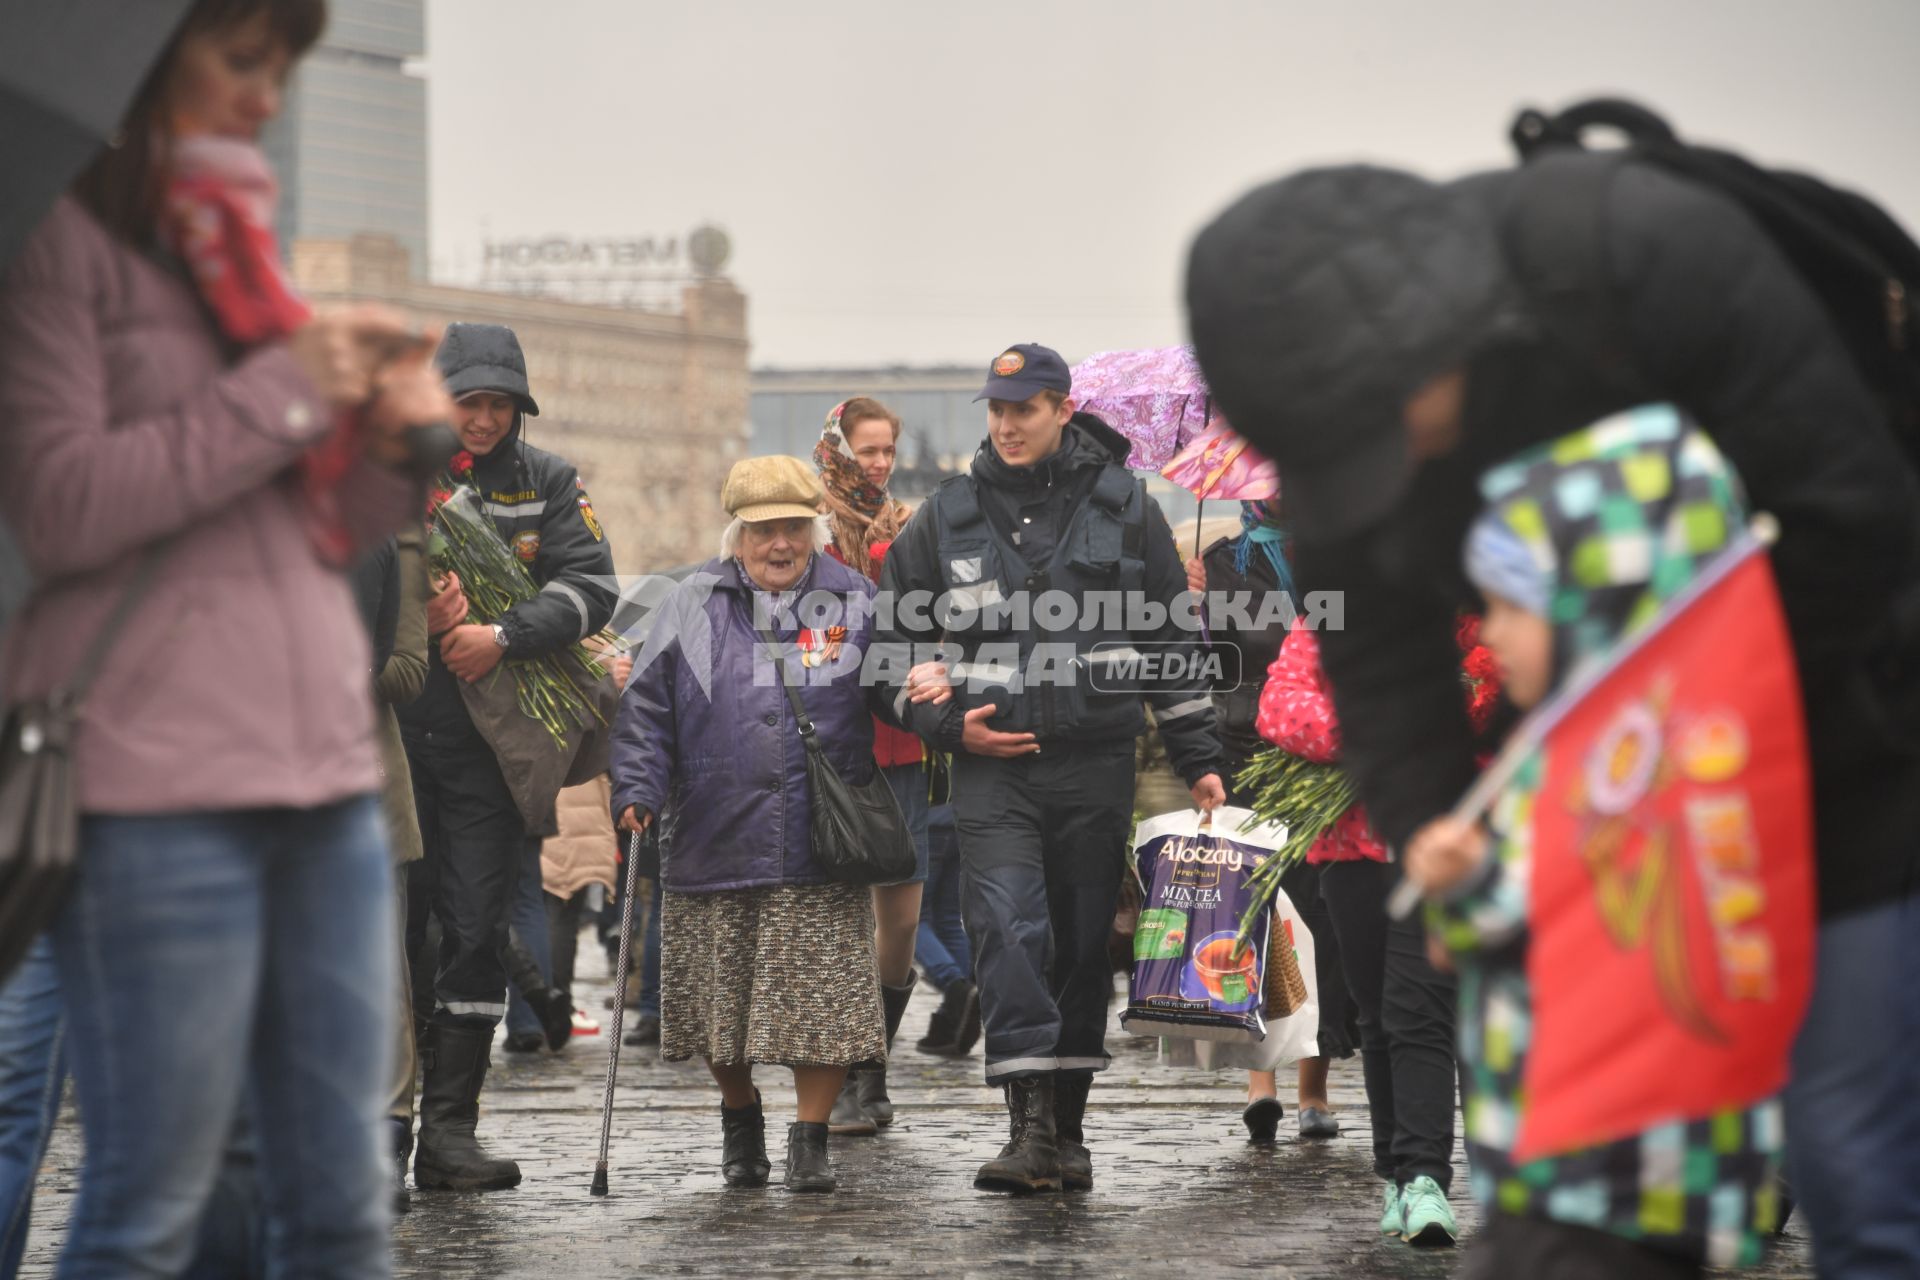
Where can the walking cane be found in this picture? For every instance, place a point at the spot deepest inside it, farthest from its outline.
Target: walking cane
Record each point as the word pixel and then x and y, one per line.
pixel 599 1187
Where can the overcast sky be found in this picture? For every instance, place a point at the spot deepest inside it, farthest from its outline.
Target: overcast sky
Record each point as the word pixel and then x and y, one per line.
pixel 915 181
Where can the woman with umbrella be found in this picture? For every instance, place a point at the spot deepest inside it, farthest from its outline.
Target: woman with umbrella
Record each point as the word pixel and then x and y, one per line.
pixel 193 458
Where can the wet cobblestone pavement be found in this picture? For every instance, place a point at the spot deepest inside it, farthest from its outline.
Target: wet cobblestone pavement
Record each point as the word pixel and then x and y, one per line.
pixel 1177 1187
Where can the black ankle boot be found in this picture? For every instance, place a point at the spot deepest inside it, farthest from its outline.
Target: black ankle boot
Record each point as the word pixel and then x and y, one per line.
pixel 807 1166
pixel 402 1131
pixel 449 1157
pixel 1031 1159
pixel 549 1004
pixel 943 1028
pixel 1069 1115
pixel 743 1149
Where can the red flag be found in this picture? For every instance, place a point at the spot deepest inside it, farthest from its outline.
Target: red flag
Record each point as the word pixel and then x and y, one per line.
pixel 1671 912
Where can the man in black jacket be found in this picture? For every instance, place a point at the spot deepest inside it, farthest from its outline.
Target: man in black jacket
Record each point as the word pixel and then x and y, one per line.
pixel 1042 733
pixel 1386 340
pixel 471 828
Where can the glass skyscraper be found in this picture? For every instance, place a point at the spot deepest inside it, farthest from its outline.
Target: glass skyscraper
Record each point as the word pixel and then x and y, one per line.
pixel 351 145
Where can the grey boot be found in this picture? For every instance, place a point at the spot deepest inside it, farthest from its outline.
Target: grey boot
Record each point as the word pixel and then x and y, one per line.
pixel 849 1119
pixel 873 1080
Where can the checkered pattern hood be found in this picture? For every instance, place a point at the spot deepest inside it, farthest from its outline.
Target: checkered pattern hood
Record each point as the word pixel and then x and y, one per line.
pixel 1618 517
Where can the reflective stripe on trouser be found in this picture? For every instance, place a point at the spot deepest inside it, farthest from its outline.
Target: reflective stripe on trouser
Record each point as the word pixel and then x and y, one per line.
pixel 473 837
pixel 1042 849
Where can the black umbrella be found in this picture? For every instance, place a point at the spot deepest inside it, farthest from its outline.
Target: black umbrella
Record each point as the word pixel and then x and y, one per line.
pixel 68 68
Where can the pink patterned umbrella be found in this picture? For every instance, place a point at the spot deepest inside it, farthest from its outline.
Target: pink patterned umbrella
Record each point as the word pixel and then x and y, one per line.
pixel 1220 464
pixel 1155 398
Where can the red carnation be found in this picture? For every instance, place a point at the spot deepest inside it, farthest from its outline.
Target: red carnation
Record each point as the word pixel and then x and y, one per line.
pixel 1467 634
pixel 461 463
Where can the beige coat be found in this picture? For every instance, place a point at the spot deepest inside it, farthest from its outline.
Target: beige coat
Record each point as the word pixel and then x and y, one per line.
pixel 585 851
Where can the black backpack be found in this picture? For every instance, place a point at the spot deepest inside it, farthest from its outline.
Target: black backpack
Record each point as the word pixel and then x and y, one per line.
pixel 1862 265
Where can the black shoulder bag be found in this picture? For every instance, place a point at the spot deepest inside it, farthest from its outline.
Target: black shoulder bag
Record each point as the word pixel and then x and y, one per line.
pixel 39 817
pixel 859 835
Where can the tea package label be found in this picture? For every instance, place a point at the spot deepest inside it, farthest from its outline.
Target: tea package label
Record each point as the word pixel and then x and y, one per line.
pixel 1192 976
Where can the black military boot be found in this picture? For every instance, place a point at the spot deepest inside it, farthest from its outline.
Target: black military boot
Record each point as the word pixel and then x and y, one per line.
pixel 743 1150
pixel 873 1080
pixel 449 1157
pixel 549 1004
pixel 1069 1111
pixel 807 1167
pixel 402 1131
pixel 1031 1159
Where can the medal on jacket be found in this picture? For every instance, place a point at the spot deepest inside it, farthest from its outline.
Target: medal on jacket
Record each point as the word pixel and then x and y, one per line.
pixel 818 648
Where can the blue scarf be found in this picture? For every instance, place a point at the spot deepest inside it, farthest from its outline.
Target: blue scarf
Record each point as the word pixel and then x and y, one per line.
pixel 1271 539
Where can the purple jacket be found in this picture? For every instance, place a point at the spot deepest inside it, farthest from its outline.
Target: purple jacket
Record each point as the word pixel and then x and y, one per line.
pixel 242 679
pixel 714 741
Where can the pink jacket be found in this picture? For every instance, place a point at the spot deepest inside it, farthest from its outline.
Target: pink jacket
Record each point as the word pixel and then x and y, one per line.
pixel 242 680
pixel 1296 715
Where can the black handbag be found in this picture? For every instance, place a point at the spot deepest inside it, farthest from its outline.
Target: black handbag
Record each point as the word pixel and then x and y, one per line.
pixel 39 817
pixel 859 834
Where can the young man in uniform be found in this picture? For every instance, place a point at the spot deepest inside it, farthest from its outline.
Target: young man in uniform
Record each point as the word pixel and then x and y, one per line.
pixel 1044 558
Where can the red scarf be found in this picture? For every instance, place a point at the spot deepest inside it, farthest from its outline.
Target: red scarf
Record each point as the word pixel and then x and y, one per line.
pixel 218 217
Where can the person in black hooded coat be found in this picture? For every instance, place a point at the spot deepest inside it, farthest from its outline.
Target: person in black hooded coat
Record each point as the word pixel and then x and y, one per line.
pixel 470 826
pixel 1385 340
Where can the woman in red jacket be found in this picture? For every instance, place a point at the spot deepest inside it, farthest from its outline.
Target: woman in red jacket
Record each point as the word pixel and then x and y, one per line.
pixel 855 458
pixel 1405 1005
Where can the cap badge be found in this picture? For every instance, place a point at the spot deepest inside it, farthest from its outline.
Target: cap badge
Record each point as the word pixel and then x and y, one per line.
pixel 1009 364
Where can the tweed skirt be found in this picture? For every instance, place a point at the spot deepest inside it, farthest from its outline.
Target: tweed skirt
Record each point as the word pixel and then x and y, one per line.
pixel 784 975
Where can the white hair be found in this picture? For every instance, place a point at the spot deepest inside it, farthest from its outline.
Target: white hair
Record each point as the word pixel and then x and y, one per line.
pixel 730 536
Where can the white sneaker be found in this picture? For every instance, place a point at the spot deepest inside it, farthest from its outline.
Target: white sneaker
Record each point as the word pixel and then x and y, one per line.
pixel 584 1025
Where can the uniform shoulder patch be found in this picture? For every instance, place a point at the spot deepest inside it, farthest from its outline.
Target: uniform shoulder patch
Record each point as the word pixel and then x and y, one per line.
pixel 586 511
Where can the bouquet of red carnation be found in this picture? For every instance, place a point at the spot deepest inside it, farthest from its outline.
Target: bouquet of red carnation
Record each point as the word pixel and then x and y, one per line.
pixel 462 539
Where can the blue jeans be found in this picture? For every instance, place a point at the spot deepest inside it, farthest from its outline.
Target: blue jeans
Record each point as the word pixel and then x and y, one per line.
pixel 1853 1102
pixel 648 1004
pixel 32 1069
pixel 941 947
pixel 205 954
pixel 528 921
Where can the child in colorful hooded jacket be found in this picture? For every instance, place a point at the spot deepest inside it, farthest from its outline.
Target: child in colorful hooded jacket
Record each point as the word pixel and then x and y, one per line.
pixel 1582 541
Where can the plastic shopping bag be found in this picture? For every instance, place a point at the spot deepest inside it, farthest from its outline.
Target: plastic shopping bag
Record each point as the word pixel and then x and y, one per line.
pixel 1291 1008
pixel 1191 974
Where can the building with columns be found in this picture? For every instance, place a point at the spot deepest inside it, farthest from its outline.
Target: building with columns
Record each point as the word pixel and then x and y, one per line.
pixel 650 405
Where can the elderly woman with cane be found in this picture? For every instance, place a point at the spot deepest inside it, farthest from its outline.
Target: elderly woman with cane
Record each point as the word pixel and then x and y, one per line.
pixel 764 960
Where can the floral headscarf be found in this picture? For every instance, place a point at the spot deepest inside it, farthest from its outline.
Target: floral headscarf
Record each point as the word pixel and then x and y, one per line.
pixel 1260 527
pixel 862 515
